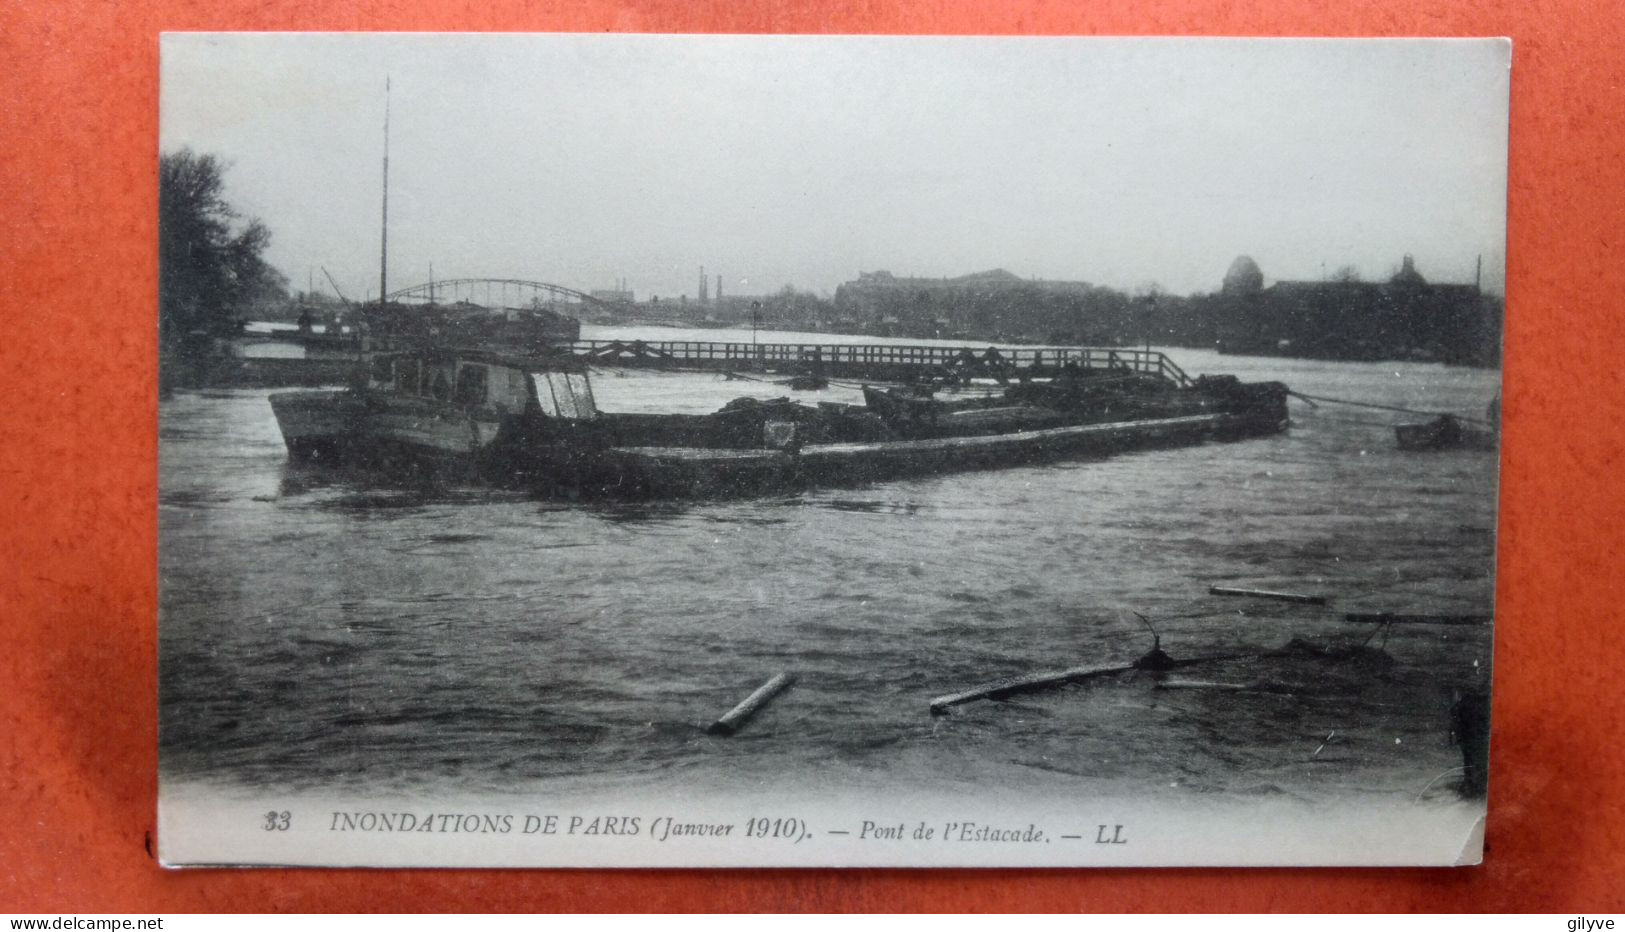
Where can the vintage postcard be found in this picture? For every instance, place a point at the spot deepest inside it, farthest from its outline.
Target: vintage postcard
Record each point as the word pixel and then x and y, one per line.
pixel 633 450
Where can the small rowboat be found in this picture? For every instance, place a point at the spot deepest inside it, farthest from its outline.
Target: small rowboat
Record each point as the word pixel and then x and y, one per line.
pixel 1445 432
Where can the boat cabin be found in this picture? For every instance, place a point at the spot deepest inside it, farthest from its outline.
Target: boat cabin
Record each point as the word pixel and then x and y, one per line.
pixel 556 387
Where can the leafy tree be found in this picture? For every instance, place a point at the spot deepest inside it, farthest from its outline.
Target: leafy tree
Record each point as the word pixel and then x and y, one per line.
pixel 211 266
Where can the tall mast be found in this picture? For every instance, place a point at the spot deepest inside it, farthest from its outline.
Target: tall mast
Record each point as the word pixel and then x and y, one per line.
pixel 383 239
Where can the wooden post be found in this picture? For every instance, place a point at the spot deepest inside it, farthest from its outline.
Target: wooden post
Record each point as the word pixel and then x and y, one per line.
pixel 741 713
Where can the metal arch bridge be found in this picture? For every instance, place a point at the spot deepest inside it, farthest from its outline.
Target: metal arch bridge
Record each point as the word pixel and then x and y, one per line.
pixel 450 290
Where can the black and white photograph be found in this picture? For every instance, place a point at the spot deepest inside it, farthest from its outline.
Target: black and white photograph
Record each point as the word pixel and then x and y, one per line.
pixel 711 450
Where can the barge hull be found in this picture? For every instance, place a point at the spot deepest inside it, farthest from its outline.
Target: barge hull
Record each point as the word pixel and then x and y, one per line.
pixel 317 425
pixel 689 472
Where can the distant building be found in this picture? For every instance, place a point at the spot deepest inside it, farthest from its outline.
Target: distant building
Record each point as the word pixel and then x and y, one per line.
pixel 613 295
pixel 874 288
pixel 1402 318
pixel 1243 278
pixel 985 304
pixel 1408 276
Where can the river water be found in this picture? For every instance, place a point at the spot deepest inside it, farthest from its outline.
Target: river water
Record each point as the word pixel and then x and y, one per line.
pixel 321 632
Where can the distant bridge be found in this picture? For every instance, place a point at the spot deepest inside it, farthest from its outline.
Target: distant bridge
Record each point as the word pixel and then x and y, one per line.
pixel 493 292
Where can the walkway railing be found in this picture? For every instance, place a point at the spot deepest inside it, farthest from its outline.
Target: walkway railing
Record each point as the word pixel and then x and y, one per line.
pixel 876 360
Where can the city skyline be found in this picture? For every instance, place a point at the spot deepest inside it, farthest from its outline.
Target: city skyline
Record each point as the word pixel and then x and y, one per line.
pixel 586 160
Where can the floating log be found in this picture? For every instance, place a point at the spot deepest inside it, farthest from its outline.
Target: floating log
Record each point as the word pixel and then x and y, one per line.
pixel 1389 618
pixel 1267 594
pixel 1203 684
pixel 741 713
pixel 1009 687
pixel 1003 689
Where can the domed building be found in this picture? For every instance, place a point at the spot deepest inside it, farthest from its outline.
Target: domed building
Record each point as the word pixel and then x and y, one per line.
pixel 1244 277
pixel 1344 318
pixel 1408 276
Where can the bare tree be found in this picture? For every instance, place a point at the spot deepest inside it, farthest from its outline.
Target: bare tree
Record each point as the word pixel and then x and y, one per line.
pixel 211 264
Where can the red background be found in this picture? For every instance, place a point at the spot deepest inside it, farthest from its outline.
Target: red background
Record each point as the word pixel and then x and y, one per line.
pixel 78 194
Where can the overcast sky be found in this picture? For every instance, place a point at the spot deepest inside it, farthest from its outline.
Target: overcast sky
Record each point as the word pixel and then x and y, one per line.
pixel 580 160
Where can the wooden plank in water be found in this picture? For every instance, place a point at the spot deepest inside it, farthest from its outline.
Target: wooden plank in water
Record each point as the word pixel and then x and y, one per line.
pixel 1022 684
pixel 1414 619
pixel 741 713
pixel 1268 594
pixel 1203 684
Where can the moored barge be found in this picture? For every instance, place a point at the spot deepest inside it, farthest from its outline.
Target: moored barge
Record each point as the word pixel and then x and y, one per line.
pixel 531 421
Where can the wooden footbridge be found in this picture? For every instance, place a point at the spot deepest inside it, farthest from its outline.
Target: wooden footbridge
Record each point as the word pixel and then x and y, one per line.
pixel 878 362
pixel 327 358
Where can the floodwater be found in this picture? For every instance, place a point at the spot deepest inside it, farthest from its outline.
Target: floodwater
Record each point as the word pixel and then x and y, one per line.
pixel 323 632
